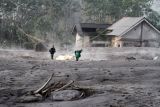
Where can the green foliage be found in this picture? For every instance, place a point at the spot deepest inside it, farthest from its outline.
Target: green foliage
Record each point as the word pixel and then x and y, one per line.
pixel 154 18
pixel 31 16
pixel 52 20
pixel 98 10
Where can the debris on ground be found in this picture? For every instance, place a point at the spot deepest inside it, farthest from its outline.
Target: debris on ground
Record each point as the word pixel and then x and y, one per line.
pixel 130 58
pixel 57 91
pixel 156 58
pixel 66 95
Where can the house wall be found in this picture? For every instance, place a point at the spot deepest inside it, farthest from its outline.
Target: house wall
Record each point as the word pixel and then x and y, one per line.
pixel 82 41
pixel 149 36
pixel 131 43
pixel 95 41
pixel 79 42
pixel 86 42
pixel 135 33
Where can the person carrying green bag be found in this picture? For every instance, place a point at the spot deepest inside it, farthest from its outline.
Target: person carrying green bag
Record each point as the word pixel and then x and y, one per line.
pixel 78 54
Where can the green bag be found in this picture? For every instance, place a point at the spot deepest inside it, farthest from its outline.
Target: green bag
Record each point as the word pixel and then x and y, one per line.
pixel 78 54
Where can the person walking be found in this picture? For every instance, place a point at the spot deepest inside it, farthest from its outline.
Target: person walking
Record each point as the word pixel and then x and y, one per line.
pixel 78 54
pixel 52 52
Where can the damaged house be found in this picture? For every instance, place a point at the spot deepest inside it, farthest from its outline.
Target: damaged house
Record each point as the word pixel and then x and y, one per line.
pixel 86 35
pixel 127 32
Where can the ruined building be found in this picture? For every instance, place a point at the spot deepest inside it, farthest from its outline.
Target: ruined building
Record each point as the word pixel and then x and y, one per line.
pixel 127 32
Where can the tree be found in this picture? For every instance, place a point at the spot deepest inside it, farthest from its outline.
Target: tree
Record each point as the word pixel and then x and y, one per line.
pixel 154 18
pixel 98 10
pixel 33 17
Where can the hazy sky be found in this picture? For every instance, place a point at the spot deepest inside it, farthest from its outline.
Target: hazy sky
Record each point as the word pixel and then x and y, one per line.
pixel 156 5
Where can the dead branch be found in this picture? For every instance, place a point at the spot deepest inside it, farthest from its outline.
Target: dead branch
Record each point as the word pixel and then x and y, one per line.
pixel 41 88
pixel 50 88
pixel 65 86
pixel 32 38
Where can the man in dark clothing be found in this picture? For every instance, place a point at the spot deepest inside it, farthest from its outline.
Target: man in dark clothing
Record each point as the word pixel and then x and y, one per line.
pixel 78 54
pixel 52 51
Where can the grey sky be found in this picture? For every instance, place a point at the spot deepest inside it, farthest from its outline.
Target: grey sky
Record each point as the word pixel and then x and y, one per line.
pixel 156 5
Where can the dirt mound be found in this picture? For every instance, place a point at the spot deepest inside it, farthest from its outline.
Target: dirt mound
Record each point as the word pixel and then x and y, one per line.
pixel 40 47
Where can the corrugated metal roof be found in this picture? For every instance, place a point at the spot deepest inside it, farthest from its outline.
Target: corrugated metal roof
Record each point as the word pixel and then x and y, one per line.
pixel 123 25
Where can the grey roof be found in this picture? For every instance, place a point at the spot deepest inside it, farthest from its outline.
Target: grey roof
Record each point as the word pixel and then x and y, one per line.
pixel 124 24
pixel 94 25
pixel 79 26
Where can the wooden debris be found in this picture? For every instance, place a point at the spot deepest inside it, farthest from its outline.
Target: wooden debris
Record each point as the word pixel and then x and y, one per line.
pixel 41 88
pixel 65 86
pixel 61 90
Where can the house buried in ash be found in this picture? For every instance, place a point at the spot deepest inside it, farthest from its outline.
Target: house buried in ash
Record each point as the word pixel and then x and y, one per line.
pixel 127 32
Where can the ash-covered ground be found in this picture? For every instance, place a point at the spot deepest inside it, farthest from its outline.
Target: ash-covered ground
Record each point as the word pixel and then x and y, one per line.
pixel 117 80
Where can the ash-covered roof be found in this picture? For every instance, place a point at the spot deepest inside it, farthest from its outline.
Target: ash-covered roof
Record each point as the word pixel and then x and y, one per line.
pixel 87 27
pixel 94 25
pixel 123 25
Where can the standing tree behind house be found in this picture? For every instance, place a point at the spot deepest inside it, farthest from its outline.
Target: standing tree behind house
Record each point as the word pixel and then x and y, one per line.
pixel 102 10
